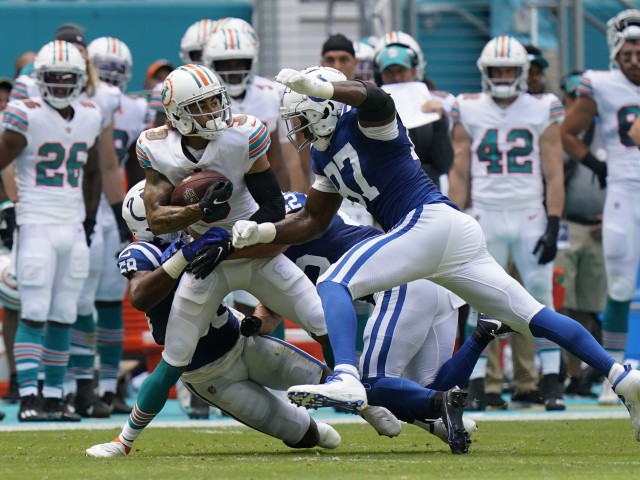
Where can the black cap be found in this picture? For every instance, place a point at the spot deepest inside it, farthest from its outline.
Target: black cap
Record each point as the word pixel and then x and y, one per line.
pixel 71 33
pixel 338 42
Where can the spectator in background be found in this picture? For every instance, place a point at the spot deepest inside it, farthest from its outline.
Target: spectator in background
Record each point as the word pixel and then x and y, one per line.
pixel 338 52
pixel 582 260
pixel 157 72
pixel 537 65
pixel 398 64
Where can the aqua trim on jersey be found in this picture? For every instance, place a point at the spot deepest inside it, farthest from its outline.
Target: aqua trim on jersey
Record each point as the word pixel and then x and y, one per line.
pixel 455 111
pixel 15 119
pixel 155 104
pixel 19 91
pixel 259 141
pixel 585 88
pixel 556 112
pixel 386 166
pixel 143 156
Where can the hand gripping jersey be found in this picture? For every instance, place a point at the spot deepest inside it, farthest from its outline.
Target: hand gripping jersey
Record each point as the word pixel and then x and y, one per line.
pixel 506 169
pixel 378 171
pixel 49 170
pixel 145 256
pixel 232 155
pixel 618 102
pixel 262 100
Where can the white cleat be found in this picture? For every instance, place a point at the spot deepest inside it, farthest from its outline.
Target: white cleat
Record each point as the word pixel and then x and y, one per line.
pixel 438 428
pixel 108 450
pixel 384 422
pixel 627 387
pixel 329 438
pixel 608 396
pixel 342 390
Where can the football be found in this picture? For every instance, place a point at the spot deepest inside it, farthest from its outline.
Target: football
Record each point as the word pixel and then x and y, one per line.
pixel 191 189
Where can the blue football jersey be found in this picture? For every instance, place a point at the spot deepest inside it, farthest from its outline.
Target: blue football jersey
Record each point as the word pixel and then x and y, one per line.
pixel 145 256
pixel 315 256
pixel 385 176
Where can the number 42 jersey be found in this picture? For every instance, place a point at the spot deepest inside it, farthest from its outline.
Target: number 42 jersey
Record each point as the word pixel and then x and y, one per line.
pixel 506 170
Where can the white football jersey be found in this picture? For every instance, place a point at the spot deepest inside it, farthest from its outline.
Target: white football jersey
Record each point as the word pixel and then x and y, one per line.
pixel 107 98
pixel 131 119
pixel 232 155
pixel 262 100
pixel 618 102
pixel 506 170
pixel 24 87
pixel 49 171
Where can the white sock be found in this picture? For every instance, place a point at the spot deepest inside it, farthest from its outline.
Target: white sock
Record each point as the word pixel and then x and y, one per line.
pixel 345 367
pixel 615 372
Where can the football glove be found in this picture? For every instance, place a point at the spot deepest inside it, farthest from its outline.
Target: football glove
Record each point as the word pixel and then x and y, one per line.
pixel 89 226
pixel 250 326
pixel 216 196
pixel 598 167
pixel 210 256
pixel 301 83
pixel 7 224
pixel 246 233
pixel 548 243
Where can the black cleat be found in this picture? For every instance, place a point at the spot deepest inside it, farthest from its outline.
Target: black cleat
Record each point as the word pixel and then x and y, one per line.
pixel 553 391
pixel 31 410
pixel 494 401
pixel 453 403
pixel 12 395
pixel 476 400
pixel 526 399
pixel 117 404
pixel 493 327
pixel 57 410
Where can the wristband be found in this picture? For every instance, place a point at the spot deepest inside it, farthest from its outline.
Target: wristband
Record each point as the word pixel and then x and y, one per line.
pixel 267 232
pixel 175 265
pixel 6 204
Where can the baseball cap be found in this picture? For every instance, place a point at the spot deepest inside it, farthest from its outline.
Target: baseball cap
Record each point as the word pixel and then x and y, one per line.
pixel 539 59
pixel 71 33
pixel 394 55
pixel 157 65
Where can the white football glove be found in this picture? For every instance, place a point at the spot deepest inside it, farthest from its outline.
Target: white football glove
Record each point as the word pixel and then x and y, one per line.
pixel 246 233
pixel 301 83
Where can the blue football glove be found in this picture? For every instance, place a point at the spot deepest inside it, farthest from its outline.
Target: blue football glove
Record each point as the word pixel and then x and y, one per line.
pixel 172 249
pixel 212 236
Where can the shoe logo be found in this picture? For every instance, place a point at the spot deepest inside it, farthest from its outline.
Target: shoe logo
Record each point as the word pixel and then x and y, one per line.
pixel 531 217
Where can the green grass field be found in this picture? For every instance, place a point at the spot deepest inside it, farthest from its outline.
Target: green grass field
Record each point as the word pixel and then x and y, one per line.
pixel 522 450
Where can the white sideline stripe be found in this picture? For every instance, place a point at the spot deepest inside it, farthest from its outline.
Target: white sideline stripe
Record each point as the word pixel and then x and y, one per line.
pixel 339 419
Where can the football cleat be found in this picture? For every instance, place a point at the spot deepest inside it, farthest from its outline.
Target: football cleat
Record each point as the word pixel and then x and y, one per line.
pixel 31 410
pixel 627 387
pixel 57 410
pixel 438 428
pixel 382 420
pixel 89 405
pixel 493 327
pixel 453 402
pixel 342 390
pixel 108 450
pixel 607 395
pixel 329 438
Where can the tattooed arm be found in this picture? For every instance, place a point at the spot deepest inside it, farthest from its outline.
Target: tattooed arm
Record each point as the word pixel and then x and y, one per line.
pixel 161 216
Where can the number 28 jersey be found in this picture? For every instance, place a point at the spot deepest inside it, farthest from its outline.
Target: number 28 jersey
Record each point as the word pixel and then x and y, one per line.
pixel 506 169
pixel 49 171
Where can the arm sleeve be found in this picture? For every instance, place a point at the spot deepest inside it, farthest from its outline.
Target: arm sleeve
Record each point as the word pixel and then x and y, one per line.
pixel 264 188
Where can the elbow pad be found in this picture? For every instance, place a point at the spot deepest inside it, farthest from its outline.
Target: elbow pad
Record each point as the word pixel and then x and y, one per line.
pixel 377 106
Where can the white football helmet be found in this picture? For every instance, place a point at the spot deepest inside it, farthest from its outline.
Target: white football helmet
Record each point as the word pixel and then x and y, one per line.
pixel 113 61
pixel 237 24
pixel 622 27
pixel 61 73
pixel 319 116
pixel 9 295
pixel 134 214
pixel 193 41
pixel 504 51
pixel 232 44
pixel 185 94
pixel 364 55
pixel 404 40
